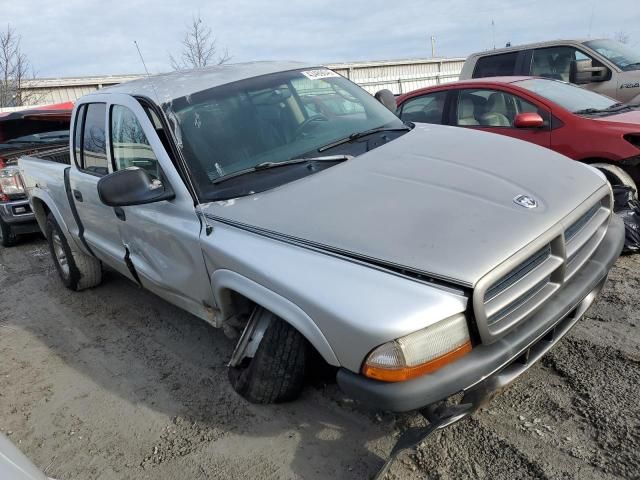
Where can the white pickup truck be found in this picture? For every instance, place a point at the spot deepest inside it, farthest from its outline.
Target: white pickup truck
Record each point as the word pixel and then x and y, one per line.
pixel 286 205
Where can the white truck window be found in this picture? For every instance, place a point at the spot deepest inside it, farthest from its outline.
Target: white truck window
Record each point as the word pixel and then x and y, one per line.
pixel 129 143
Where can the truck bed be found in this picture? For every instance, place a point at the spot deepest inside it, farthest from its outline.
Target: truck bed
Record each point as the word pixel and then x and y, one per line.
pixel 45 174
pixel 57 155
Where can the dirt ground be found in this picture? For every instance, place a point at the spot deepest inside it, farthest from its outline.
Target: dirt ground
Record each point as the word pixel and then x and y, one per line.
pixel 115 383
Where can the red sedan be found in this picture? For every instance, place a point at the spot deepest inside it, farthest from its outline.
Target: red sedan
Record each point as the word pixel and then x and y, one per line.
pixel 578 123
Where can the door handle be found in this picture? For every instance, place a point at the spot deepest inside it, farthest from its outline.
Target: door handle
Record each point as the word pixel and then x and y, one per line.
pixel 120 213
pixel 77 194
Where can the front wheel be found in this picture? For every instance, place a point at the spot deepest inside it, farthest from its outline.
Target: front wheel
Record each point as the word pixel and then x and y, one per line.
pixel 7 237
pixel 276 372
pixel 77 270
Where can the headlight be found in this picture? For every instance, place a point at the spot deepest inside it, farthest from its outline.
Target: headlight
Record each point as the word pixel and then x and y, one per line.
pixel 420 352
pixel 10 182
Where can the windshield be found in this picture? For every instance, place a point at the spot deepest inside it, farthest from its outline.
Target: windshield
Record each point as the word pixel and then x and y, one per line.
pixel 271 118
pixel 622 56
pixel 570 97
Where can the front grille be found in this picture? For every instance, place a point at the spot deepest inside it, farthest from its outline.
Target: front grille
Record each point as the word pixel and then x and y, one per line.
pixel 571 232
pixel 520 271
pixel 516 289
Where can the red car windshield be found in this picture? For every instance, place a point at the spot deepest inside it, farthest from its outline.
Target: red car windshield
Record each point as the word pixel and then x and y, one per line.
pixel 570 97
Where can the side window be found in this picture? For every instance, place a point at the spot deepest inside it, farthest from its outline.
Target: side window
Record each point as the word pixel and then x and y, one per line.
pixel 491 108
pixel 94 147
pixel 424 109
pixel 77 134
pixel 496 65
pixel 555 62
pixel 129 143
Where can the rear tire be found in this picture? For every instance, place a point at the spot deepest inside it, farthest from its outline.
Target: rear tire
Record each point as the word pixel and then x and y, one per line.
pixel 7 237
pixel 617 176
pixel 76 269
pixel 276 372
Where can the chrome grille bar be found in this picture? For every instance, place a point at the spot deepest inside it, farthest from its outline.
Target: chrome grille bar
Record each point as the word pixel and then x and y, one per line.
pixel 517 288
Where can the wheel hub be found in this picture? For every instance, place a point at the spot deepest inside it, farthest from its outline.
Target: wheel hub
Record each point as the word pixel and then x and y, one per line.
pixel 61 256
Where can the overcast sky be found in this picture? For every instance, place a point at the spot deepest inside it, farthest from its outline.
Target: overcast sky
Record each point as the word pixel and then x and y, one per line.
pixel 87 37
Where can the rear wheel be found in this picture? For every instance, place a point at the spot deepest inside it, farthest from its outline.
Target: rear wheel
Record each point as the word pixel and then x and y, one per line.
pixel 617 176
pixel 77 270
pixel 277 370
pixel 7 237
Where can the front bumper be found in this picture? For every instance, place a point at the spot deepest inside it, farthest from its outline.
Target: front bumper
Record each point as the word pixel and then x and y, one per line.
pixel 19 216
pixel 490 367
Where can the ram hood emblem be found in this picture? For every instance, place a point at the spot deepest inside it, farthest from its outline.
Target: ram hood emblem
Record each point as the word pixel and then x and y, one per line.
pixel 525 201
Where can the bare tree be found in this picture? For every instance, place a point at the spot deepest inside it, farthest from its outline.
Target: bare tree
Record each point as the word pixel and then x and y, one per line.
pixel 199 48
pixel 621 36
pixel 14 70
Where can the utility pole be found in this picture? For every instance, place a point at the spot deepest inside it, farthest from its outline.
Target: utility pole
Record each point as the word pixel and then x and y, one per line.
pixel 433 46
pixel 493 33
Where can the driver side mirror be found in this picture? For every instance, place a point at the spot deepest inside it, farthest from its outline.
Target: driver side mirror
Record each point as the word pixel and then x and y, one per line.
pixel 388 99
pixel 132 186
pixel 528 120
pixel 583 71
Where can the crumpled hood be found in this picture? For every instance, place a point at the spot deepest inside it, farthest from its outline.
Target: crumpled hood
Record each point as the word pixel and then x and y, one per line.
pixel 438 200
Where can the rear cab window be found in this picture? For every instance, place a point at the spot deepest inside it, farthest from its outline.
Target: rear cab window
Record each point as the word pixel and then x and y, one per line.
pixel 496 65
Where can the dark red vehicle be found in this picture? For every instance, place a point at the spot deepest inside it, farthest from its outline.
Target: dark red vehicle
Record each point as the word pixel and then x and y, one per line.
pixel 578 123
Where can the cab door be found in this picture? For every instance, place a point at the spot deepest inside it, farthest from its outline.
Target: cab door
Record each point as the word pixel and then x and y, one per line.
pixel 494 110
pixel 91 164
pixel 161 240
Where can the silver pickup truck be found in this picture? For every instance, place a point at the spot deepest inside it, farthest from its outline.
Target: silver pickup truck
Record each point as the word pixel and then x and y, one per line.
pixel 287 206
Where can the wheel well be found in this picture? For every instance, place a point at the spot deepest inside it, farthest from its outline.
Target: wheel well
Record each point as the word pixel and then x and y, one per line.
pixel 632 171
pixel 41 211
pixel 596 160
pixel 236 310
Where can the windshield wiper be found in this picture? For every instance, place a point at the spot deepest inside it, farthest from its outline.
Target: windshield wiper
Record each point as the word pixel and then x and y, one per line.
pixel 616 107
pixel 293 161
pixel 357 135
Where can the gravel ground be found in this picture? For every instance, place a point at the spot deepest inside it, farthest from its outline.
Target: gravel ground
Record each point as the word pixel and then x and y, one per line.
pixel 116 383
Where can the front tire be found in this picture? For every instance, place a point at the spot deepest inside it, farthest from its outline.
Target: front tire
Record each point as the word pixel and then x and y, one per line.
pixel 77 270
pixel 7 237
pixel 276 372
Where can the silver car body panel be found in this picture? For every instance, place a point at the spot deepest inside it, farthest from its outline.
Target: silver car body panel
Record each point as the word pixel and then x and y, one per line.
pixel 354 307
pixel 451 212
pixel 337 254
pixel 48 188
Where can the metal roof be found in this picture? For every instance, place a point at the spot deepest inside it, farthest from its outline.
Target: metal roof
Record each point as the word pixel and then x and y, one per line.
pixel 168 86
